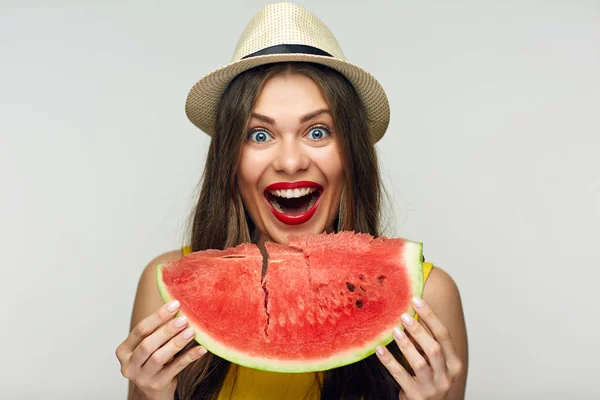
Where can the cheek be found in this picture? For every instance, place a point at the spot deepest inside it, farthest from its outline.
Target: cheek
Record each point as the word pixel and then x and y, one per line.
pixel 331 164
pixel 250 171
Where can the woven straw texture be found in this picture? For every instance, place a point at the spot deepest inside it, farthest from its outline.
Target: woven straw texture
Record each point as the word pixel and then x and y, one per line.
pixel 285 23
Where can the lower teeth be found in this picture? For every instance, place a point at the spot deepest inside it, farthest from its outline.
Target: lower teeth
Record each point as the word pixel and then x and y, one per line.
pixel 311 202
pixel 276 206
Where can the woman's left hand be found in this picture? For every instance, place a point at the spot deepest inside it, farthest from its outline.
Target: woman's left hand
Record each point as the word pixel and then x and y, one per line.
pixel 436 369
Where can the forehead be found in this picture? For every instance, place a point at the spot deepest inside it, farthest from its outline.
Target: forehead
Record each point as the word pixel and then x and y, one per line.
pixel 288 94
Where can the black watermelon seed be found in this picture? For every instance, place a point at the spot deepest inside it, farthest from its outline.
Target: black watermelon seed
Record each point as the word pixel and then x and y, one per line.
pixel 350 286
pixel 359 304
pixel 380 278
pixel 362 288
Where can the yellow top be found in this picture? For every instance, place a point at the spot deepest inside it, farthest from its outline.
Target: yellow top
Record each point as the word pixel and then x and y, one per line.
pixel 252 384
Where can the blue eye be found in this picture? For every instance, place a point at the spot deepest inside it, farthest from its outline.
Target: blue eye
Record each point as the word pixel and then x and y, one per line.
pixel 259 136
pixel 318 133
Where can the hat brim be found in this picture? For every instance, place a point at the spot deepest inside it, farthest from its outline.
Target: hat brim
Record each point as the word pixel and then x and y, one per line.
pixel 203 99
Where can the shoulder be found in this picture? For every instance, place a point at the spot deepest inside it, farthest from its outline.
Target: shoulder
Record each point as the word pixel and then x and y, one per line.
pixel 147 298
pixel 440 287
pixel 443 297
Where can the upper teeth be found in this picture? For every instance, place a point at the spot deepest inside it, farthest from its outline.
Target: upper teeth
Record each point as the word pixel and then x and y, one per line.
pixel 292 193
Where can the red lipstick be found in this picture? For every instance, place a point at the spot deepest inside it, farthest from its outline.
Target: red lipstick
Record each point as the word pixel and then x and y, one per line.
pixel 292 185
pixel 293 219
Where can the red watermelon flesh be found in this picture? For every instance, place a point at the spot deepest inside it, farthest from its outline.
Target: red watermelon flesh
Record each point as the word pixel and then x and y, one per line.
pixel 325 301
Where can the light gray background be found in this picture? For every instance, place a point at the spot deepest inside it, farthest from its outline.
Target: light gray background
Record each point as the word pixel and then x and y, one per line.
pixel 491 159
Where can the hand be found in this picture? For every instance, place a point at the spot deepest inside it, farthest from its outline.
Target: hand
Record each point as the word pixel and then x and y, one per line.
pixel 436 369
pixel 146 356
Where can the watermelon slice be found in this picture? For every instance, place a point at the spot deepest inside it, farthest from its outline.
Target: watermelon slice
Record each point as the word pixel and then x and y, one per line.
pixel 325 301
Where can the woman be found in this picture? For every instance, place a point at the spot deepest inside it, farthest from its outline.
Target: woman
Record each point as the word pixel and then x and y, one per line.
pixel 290 110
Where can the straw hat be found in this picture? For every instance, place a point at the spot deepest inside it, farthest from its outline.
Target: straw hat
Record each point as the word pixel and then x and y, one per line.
pixel 286 32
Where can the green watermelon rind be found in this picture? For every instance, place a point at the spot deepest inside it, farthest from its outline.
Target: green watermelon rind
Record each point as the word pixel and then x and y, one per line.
pixel 413 259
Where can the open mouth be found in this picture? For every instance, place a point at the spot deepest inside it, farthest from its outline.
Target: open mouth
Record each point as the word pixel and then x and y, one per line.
pixel 293 203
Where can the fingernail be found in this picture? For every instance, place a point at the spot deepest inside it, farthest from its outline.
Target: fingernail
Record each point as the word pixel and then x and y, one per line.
pixel 408 320
pixel 173 305
pixel 398 333
pixel 188 333
pixel 380 351
pixel 201 351
pixel 179 322
pixel 418 302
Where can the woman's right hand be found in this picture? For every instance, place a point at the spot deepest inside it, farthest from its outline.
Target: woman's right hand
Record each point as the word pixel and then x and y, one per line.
pixel 147 355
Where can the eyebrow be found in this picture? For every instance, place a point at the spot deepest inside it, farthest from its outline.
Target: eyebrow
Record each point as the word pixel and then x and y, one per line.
pixel 304 119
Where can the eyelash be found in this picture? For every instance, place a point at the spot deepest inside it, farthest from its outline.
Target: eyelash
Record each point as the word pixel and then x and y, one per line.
pixel 319 126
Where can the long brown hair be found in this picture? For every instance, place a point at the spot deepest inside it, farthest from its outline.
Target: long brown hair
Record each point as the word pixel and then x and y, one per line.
pixel 220 221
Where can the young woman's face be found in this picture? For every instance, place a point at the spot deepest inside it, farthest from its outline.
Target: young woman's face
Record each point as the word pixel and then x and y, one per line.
pixel 290 176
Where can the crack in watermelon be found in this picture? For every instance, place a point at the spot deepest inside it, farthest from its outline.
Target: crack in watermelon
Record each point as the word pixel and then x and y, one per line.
pixel 293 316
pixel 264 287
pixel 263 283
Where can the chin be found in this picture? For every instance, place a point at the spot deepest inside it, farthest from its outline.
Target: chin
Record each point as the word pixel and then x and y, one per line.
pixel 281 235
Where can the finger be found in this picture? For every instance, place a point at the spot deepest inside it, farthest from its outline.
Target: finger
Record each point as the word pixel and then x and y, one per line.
pixel 412 355
pixel 400 374
pixel 431 348
pixel 165 354
pixel 157 339
pixel 149 324
pixel 439 332
pixel 179 363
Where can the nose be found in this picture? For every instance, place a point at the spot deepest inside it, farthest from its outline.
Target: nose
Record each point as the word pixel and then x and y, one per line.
pixel 291 157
